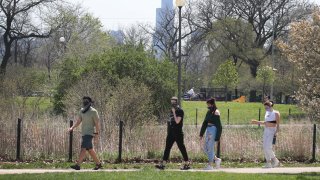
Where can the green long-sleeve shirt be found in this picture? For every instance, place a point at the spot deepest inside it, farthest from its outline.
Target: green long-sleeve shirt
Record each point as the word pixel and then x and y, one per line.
pixel 212 119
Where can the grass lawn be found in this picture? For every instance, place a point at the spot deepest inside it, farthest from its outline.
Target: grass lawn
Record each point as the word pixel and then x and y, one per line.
pixel 149 172
pixel 137 165
pixel 239 113
pixel 155 175
pixel 42 103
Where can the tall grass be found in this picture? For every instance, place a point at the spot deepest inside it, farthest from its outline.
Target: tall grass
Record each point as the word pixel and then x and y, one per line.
pixel 50 140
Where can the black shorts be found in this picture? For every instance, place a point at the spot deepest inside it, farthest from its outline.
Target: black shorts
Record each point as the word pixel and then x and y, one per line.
pixel 87 142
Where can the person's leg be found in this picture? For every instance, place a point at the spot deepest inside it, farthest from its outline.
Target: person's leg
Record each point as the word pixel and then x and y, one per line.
pixel 182 147
pixel 267 145
pixel 209 144
pixel 81 156
pixel 96 160
pixel 93 154
pixel 183 150
pixel 169 143
pixel 82 153
pixel 274 161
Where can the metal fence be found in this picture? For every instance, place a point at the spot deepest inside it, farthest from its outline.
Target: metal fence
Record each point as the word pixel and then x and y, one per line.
pixel 50 140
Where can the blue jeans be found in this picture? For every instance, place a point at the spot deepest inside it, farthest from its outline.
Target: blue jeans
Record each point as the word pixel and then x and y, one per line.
pixel 210 140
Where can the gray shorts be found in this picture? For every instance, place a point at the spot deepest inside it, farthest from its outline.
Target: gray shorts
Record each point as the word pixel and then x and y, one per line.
pixel 87 142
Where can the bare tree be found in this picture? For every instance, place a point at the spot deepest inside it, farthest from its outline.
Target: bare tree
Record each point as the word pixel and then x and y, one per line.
pixel 136 36
pixel 268 19
pixel 165 34
pixel 16 24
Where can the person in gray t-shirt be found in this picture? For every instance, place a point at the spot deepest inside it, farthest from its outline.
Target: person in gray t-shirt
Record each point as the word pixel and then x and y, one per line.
pixel 89 118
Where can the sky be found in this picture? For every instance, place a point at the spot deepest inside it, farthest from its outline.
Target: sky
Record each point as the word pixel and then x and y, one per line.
pixel 119 14
pixel 115 14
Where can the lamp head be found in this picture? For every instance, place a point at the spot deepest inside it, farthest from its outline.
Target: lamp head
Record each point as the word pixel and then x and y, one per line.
pixel 180 3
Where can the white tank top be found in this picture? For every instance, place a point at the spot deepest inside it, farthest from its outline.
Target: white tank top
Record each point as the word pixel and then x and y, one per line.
pixel 270 116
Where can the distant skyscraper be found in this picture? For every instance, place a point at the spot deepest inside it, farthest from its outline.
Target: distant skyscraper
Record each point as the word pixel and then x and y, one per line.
pixel 166 7
pixel 167 4
pixel 118 36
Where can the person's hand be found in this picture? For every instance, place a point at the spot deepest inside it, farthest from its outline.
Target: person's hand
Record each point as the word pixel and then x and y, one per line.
pixel 96 139
pixel 173 110
pixel 253 121
pixel 70 129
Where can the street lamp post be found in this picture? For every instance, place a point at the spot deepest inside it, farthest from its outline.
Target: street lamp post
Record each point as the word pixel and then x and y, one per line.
pixel 272 50
pixel 179 3
pixel 63 42
pixel 272 56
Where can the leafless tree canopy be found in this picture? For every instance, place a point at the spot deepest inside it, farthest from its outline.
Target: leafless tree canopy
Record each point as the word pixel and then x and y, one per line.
pixel 16 24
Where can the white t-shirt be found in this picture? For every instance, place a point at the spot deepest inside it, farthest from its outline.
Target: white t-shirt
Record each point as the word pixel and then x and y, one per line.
pixel 270 116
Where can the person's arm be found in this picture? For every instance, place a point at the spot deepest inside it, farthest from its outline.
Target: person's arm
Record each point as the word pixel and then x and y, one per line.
pixel 218 125
pixel 204 126
pixel 97 123
pixel 177 117
pixel 253 121
pixel 76 124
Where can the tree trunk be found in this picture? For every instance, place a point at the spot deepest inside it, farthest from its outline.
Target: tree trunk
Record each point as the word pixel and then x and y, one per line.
pixel 4 62
pixel 16 51
pixel 263 91
pixel 7 53
pixel 253 63
pixel 226 93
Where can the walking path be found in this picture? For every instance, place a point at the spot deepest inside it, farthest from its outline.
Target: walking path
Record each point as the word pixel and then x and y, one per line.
pixel 40 171
pixel 281 170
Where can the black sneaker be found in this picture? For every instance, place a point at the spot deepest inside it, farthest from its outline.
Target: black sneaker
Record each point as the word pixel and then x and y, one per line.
pixel 76 167
pixel 160 166
pixel 98 166
pixel 185 167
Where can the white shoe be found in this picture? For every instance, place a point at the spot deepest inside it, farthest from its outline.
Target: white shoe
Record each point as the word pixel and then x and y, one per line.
pixel 267 165
pixel 275 163
pixel 218 163
pixel 209 167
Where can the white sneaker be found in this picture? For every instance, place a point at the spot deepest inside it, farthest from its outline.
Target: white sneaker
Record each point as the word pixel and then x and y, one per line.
pixel 218 163
pixel 209 167
pixel 267 165
pixel 275 163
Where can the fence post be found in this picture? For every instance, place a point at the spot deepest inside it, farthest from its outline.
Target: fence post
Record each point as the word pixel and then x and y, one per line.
pixel 314 143
pixel 259 116
pixel 196 117
pixel 18 139
pixel 120 141
pixel 70 142
pixel 289 112
pixel 218 150
pixel 228 117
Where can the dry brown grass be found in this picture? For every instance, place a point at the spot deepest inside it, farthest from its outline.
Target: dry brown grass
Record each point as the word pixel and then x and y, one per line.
pixel 49 139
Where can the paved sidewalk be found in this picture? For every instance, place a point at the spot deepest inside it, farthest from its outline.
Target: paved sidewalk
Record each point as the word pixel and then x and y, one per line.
pixel 40 171
pixel 281 170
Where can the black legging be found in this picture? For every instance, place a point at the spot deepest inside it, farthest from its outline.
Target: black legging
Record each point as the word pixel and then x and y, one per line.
pixel 171 138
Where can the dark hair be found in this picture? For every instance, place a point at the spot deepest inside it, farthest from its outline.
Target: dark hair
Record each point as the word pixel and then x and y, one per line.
pixel 87 98
pixel 212 101
pixel 268 103
pixel 272 103
pixel 174 98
